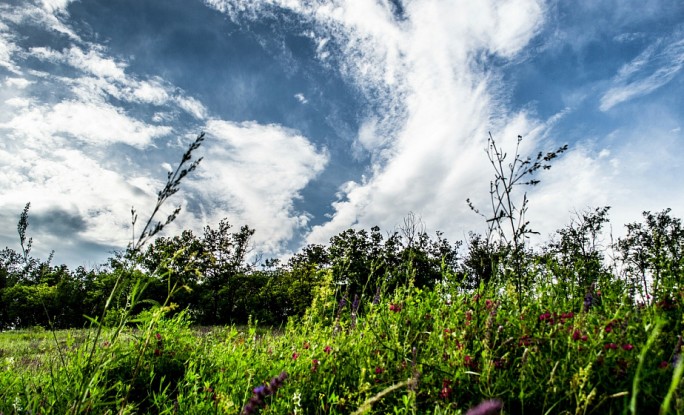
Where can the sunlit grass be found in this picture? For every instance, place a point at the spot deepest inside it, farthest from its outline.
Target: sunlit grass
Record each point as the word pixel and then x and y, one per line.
pixel 412 352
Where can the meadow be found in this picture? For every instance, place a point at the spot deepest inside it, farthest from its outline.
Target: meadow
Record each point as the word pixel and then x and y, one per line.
pixel 406 324
pixel 435 351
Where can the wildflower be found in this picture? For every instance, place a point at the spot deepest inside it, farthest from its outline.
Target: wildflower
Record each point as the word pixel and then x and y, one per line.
pixel 355 304
pixel 588 301
pixel 544 316
pixel 157 352
pixel 314 365
pixel 663 364
pixel 376 298
pixel 490 407
pixel 395 307
pixel 608 328
pixel 489 303
pixel 525 341
pixel 295 355
pixel 306 345
pixel 627 347
pixel 327 349
pixel 610 346
pixel 379 370
pixel 576 335
pixel 261 392
pixel 446 389
pixel 585 337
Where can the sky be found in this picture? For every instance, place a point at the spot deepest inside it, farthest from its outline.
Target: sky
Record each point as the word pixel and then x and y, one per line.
pixel 325 115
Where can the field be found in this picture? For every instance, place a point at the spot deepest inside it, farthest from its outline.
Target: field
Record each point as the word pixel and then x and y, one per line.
pixel 417 351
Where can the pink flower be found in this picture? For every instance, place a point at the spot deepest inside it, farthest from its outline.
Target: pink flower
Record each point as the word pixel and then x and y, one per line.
pixel 295 355
pixel 627 347
pixel 379 370
pixel 327 349
pixel 610 346
pixel 491 407
pixel 576 335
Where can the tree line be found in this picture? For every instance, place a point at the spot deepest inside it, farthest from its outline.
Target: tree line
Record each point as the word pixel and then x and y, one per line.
pixel 218 284
pixel 212 276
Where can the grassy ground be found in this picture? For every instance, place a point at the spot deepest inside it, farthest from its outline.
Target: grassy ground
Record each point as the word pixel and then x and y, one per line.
pixel 412 352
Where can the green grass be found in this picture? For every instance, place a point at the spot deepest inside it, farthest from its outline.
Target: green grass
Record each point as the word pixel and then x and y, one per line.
pixel 413 352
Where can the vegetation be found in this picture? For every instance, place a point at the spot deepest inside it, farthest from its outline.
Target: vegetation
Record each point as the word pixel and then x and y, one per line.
pixel 400 323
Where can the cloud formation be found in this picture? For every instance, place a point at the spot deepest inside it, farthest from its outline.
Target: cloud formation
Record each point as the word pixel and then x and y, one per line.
pixel 323 115
pixel 74 132
pixel 657 65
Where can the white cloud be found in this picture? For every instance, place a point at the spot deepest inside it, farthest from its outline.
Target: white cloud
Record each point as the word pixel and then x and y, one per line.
pixel 19 83
pixel 17 102
pixel 253 176
pixel 91 123
pixel 69 180
pixel 56 5
pixel 7 49
pixel 301 98
pixel 93 62
pixel 640 172
pixel 653 68
pixel 192 106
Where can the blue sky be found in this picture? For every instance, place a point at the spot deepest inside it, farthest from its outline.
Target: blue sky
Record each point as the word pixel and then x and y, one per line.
pixel 325 115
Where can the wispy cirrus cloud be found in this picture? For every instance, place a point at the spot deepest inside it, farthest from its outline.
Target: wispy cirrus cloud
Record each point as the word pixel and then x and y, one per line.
pixel 657 65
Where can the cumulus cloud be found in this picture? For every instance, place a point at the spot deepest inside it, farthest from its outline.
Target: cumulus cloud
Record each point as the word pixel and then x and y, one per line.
pixel 254 174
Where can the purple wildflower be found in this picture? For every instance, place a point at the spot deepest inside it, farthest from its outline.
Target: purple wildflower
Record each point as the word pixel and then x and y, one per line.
pixel 588 301
pixel 355 304
pixel 376 299
pixel 261 392
pixel 490 407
